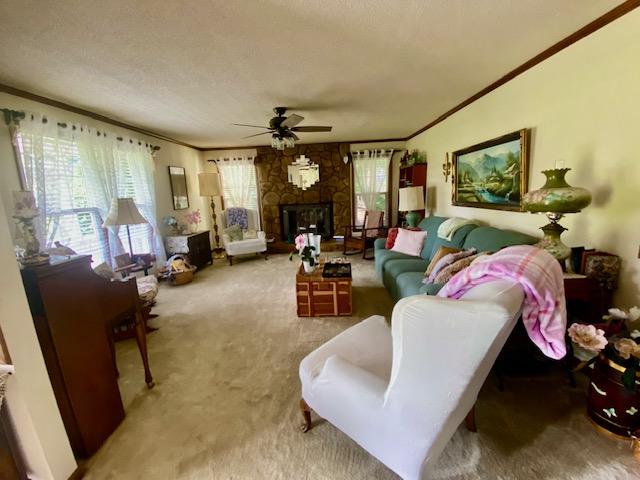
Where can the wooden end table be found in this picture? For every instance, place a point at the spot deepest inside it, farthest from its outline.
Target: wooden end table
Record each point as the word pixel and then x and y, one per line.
pixel 318 296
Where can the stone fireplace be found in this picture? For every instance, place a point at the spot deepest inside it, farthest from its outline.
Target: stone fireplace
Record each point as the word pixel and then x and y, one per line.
pixel 276 193
pixel 307 217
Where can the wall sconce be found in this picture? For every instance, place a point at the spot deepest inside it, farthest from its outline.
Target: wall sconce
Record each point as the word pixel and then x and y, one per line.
pixel 446 167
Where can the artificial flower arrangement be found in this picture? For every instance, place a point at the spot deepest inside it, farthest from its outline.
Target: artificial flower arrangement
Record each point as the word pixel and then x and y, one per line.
pixel 193 219
pixel 619 340
pixel 171 222
pixel 304 251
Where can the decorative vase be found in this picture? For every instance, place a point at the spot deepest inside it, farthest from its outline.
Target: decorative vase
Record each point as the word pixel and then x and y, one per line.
pixel 552 243
pixel 308 268
pixel 555 198
pixel 556 195
pixel 610 405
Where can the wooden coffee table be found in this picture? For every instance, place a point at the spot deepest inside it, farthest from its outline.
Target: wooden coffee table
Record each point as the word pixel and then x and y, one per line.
pixel 318 296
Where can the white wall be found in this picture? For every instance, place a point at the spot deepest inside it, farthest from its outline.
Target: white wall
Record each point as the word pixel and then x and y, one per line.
pixel 32 406
pixel 583 106
pixel 170 154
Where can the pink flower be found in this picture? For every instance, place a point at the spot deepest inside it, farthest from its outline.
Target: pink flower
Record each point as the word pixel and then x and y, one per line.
pixel 193 217
pixel 627 347
pixel 588 337
pixel 299 241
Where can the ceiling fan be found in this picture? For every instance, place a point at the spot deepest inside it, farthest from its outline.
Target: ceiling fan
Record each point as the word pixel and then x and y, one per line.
pixel 282 129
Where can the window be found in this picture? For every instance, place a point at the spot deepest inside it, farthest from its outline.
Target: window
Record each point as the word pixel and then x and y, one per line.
pixel 61 193
pixel 238 177
pixel 371 183
pixel 74 173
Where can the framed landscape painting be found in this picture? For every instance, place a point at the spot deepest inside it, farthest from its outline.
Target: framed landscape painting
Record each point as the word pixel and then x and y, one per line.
pixel 492 174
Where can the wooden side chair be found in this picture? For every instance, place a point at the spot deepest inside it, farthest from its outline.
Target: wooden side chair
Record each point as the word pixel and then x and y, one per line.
pixel 358 238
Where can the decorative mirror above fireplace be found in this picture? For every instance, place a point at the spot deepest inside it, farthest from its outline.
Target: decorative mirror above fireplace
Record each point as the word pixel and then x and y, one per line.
pixel 303 173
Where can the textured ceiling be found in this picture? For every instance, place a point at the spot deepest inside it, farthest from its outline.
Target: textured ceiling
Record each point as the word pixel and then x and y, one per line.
pixel 188 69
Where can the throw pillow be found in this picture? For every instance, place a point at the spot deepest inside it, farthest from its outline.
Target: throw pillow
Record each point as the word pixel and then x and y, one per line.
pixel 105 271
pixel 391 238
pixel 450 270
pixel 409 242
pixel 442 251
pixel 249 234
pixel 234 232
pixel 393 234
pixel 447 260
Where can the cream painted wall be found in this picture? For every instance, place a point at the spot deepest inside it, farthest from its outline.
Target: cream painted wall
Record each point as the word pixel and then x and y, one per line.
pixel 32 406
pixel 582 106
pixel 169 154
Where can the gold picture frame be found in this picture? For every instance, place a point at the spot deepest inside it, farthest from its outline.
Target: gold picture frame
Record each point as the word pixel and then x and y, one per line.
pixel 492 174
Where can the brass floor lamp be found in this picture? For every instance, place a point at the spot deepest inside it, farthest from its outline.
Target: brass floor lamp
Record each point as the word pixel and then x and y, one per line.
pixel 209 184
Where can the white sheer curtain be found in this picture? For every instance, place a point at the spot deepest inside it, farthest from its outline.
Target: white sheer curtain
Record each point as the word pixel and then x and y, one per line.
pixel 238 175
pixel 75 172
pixel 371 182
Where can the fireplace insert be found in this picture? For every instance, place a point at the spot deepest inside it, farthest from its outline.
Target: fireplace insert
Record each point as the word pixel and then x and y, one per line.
pixel 306 217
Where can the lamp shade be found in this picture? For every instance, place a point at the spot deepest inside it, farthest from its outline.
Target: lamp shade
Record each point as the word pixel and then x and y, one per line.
pixel 556 195
pixel 411 198
pixel 209 184
pixel 24 205
pixel 123 212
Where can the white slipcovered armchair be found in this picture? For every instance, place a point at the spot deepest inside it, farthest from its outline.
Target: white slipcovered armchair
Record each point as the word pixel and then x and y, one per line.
pixel 243 247
pixel 401 392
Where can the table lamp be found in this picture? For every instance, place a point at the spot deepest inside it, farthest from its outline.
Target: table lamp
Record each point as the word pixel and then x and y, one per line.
pixel 25 212
pixel 555 199
pixel 123 211
pixel 411 199
pixel 209 184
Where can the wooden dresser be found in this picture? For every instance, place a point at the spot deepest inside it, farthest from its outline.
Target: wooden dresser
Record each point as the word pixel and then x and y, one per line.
pixel 72 309
pixel 317 296
pixel 195 245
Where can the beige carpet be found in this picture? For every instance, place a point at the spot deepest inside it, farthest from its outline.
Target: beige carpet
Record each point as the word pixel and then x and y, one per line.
pixel 225 404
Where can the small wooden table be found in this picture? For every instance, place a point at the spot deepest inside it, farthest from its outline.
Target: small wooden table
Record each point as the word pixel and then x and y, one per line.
pixel 318 296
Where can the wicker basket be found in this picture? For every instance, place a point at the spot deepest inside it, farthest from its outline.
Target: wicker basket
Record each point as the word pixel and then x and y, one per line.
pixel 180 278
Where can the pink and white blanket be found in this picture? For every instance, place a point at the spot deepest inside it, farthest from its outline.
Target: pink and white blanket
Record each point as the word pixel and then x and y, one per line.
pixel 544 312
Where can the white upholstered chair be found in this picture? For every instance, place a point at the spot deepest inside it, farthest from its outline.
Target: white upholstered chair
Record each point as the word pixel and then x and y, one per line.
pixel 400 392
pixel 244 247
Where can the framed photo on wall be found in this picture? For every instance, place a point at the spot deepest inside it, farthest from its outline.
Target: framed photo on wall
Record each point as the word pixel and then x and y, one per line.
pixel 492 174
pixel 178 179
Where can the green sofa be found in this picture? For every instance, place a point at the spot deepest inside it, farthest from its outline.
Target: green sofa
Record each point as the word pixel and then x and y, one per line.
pixel 402 274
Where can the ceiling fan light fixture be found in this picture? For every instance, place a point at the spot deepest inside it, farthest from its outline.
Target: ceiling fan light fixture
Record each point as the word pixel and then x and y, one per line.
pixel 280 143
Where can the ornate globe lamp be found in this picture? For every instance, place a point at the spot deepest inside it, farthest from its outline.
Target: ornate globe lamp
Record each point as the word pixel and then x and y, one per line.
pixel 555 199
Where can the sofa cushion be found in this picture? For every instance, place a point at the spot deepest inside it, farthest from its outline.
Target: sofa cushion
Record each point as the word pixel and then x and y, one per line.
pixel 430 225
pixel 457 241
pixel 383 256
pixel 393 268
pixel 493 239
pixel 408 283
pixel 431 289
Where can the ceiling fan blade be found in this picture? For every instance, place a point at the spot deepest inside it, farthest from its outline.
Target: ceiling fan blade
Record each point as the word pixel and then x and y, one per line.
pixel 311 129
pixel 245 125
pixel 292 120
pixel 257 135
